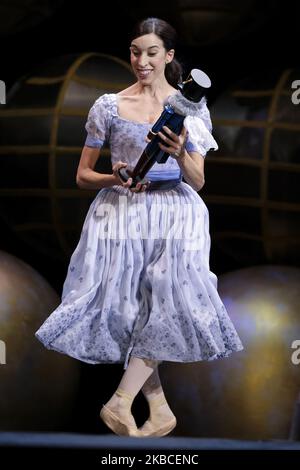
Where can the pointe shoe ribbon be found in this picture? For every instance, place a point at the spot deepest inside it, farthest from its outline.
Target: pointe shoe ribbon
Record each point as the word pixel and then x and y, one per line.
pixel 150 429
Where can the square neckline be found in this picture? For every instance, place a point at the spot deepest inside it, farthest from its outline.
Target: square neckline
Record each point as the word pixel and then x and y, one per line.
pixel 129 120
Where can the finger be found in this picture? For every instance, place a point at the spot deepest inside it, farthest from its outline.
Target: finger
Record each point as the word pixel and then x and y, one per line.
pixel 116 170
pixel 164 147
pixel 169 150
pixel 128 183
pixel 170 133
pixel 136 189
pixel 167 140
pixel 185 137
pixel 183 133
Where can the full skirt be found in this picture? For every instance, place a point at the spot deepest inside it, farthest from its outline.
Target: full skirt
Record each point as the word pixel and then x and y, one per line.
pixel 139 283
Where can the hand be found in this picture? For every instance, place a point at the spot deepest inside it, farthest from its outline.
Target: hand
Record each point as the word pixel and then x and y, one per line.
pixel 138 188
pixel 176 143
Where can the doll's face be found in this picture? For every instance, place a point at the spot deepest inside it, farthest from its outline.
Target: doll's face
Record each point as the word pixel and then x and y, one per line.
pixel 148 58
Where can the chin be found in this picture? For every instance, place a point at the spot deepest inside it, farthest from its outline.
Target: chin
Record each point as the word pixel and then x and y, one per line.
pixel 144 80
pixel 147 80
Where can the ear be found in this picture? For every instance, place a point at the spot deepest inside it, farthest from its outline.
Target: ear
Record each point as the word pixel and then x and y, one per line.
pixel 170 55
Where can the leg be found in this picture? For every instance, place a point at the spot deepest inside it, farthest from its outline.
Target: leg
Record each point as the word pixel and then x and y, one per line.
pixel 161 417
pixel 136 374
pixel 152 388
pixel 117 411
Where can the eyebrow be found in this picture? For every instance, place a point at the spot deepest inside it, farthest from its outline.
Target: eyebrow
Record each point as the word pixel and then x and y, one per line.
pixel 134 45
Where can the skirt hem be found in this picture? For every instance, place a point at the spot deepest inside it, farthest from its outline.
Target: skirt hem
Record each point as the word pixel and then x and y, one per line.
pixel 215 356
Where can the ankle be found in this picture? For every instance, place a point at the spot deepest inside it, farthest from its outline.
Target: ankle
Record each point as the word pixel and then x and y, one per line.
pixel 121 400
pixel 156 399
pixel 161 412
pixel 123 394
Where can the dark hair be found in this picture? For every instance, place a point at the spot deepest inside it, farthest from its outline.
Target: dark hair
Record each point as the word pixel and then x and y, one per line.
pixel 168 35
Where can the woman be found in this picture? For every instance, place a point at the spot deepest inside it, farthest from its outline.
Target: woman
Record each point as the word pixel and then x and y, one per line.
pixel 136 298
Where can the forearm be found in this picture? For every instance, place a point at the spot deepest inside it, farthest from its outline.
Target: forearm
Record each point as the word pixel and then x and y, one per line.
pixel 90 179
pixel 191 171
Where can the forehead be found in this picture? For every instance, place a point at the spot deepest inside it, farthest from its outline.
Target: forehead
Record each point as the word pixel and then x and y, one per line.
pixel 146 41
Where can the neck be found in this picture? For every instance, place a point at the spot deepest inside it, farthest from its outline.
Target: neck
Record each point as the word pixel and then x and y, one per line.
pixel 156 89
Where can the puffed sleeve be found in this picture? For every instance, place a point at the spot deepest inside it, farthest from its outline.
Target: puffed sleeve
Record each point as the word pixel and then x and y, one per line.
pixel 98 123
pixel 200 138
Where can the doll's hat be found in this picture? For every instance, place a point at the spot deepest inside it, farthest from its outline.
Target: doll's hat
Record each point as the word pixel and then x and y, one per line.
pixel 195 86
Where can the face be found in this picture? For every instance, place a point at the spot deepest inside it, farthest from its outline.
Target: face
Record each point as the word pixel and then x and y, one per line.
pixel 148 58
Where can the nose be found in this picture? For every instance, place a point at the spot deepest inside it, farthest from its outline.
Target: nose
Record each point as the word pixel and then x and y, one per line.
pixel 142 62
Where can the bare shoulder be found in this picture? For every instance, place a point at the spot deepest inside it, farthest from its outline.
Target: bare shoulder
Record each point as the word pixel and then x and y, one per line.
pixel 128 97
pixel 127 92
pixel 173 90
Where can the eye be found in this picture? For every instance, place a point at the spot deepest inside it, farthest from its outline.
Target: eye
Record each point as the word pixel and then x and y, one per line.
pixel 152 54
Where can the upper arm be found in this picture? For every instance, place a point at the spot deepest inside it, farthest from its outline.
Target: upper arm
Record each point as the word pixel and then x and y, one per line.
pixel 98 129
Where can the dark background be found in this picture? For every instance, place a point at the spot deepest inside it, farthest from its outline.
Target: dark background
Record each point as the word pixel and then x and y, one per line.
pixel 267 39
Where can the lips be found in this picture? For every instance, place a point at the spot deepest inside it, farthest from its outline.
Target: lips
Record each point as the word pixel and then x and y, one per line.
pixel 144 73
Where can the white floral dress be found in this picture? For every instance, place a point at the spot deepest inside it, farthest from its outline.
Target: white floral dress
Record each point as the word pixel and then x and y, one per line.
pixel 130 294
